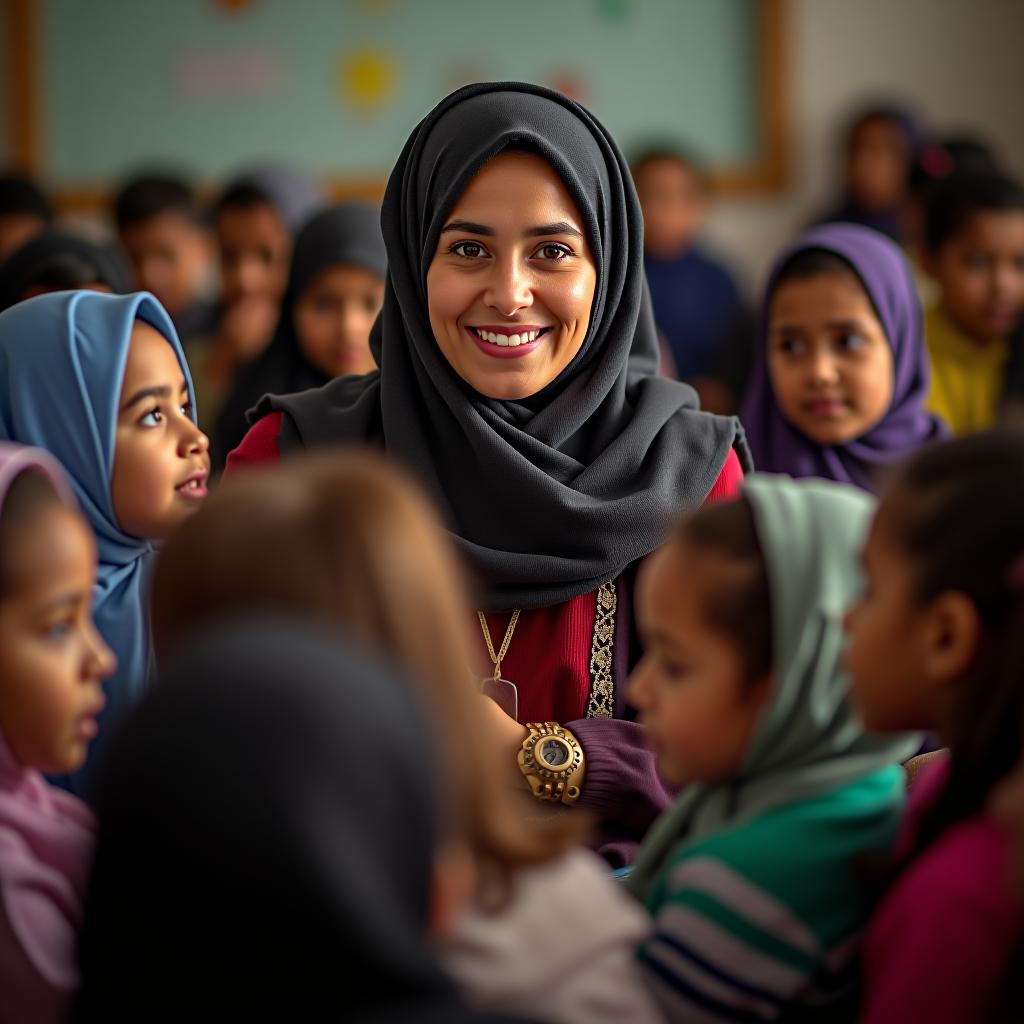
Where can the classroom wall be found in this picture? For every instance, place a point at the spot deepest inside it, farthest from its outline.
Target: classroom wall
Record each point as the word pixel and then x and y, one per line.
pixel 960 62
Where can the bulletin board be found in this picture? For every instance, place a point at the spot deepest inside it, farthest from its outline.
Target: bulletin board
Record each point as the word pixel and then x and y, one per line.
pixel 104 87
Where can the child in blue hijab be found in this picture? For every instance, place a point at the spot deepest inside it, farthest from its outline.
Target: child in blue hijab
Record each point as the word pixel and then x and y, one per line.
pixel 100 381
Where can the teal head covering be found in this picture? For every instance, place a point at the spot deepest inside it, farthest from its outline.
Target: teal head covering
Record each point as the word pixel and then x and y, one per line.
pixel 62 361
pixel 808 740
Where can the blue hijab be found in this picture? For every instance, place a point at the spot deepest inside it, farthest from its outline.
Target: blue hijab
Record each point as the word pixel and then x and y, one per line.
pixel 62 362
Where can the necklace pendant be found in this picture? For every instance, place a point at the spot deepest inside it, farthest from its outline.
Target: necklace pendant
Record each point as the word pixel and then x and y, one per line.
pixel 504 693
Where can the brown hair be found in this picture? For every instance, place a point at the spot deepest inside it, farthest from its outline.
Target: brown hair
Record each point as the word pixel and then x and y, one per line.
pixel 740 608
pixel 347 539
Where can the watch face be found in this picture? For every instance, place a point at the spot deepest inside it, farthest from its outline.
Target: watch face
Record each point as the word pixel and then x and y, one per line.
pixel 553 753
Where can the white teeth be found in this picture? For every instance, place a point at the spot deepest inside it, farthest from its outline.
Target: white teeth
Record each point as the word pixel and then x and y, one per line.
pixel 507 340
pixel 514 340
pixel 532 336
pixel 502 340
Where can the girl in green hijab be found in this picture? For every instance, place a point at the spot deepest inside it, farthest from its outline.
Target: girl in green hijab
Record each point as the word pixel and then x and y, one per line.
pixel 757 876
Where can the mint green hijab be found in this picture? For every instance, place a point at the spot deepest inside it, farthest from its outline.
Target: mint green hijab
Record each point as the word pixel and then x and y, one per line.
pixel 808 740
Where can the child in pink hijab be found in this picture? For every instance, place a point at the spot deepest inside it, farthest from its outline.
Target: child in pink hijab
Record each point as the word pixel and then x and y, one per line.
pixel 52 662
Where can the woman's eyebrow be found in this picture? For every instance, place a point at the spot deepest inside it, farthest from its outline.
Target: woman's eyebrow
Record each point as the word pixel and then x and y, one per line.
pixel 559 227
pixel 468 226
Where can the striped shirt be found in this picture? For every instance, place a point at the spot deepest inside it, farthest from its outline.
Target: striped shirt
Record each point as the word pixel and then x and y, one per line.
pixel 761 922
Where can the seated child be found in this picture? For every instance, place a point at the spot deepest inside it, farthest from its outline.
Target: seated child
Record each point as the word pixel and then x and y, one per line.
pixel 57 262
pixel 273 841
pixel 335 291
pixel 936 644
pixel 344 540
pixel 52 662
pixel 697 305
pixel 100 382
pixel 255 220
pixel 840 371
pixel 881 143
pixel 160 227
pixel 756 876
pixel 24 213
pixel 974 249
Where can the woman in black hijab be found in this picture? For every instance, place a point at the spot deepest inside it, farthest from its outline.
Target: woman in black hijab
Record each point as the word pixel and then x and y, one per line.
pixel 517 381
pixel 335 289
pixel 268 824
pixel 56 261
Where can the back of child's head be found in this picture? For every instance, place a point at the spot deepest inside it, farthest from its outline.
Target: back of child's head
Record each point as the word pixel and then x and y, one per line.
pixel 345 539
pixel 955 511
pixel 955 200
pixel 24 213
pixel 144 198
pixel 672 189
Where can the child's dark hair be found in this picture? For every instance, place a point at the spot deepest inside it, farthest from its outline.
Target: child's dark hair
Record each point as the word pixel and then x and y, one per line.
pixel 956 511
pixel 242 196
pixel 20 195
pixel 672 153
pixel 888 112
pixel 741 612
pixel 27 498
pixel 147 197
pixel 812 262
pixel 955 200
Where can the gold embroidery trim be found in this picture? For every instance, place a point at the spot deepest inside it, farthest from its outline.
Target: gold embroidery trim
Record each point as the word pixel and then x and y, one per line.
pixel 602 682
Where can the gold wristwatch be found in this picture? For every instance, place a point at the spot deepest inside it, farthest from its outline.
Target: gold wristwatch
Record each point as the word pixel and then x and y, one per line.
pixel 551 759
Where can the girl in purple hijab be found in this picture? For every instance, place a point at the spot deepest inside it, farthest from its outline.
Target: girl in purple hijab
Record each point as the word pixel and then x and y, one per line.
pixel 52 662
pixel 841 371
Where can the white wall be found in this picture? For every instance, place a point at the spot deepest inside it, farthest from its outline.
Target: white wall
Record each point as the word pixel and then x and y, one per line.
pixel 960 63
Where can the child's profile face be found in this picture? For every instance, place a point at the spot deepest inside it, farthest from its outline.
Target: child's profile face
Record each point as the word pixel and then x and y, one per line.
pixel 673 202
pixel 333 318
pixel 886 632
pixel 878 164
pixel 52 660
pixel 171 256
pixel 255 248
pixel 698 709
pixel 830 364
pixel 981 274
pixel 161 459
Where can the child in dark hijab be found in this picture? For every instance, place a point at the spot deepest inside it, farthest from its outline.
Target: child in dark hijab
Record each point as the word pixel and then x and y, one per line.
pixel 841 371
pixel 335 291
pixel 269 830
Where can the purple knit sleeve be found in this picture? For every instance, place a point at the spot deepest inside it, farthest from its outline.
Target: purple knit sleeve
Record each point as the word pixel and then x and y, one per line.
pixel 622 788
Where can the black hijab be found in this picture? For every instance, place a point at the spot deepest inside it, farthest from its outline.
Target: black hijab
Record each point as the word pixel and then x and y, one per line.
pixel 268 819
pixel 344 234
pixel 551 496
pixel 61 262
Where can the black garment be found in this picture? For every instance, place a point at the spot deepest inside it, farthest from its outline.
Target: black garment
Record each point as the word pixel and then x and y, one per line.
pixel 551 496
pixel 61 262
pixel 347 234
pixel 268 819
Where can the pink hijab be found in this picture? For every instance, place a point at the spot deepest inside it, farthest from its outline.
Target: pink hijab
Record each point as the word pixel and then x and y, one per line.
pixel 46 843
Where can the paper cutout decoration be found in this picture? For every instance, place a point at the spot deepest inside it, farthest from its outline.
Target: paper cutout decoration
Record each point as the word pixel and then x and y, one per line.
pixel 368 78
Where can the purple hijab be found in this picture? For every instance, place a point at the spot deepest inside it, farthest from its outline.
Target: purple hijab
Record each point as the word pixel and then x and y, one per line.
pixel 778 447
pixel 46 844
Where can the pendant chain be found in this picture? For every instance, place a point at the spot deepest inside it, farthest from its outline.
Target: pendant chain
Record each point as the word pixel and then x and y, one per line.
pixel 496 659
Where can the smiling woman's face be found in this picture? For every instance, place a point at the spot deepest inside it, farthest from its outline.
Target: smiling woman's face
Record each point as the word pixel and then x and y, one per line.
pixel 511 285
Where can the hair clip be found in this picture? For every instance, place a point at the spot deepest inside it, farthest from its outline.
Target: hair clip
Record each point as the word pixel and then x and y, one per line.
pixel 1015 577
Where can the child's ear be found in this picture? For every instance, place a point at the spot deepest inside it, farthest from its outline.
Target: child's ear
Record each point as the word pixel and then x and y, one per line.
pixel 952 630
pixel 455 878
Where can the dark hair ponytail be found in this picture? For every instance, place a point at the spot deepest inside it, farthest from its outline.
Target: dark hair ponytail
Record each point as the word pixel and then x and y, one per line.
pixel 957 510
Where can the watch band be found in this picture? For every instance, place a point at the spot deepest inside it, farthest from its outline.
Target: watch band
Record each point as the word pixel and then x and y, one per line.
pixel 552 762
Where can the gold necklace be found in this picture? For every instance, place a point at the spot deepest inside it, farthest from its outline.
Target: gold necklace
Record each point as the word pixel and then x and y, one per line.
pixel 502 691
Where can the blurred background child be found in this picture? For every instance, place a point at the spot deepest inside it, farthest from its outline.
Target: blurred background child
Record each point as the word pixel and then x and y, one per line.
pixel 841 371
pixel 754 876
pixel 159 225
pixel 335 291
pixel 936 645
pixel 974 249
pixel 24 213
pixel 100 382
pixel 697 304
pixel 56 261
pixel 52 664
pixel 255 219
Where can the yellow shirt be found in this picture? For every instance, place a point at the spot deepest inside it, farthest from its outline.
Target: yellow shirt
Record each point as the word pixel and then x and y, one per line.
pixel 968 379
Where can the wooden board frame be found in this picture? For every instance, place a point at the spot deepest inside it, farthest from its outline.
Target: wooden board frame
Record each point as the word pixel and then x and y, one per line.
pixel 768 173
